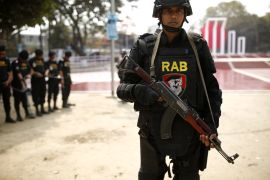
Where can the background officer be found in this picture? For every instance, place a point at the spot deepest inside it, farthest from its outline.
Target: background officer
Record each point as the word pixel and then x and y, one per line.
pixel 38 82
pixel 21 71
pixel 53 72
pixel 66 79
pixel 6 77
pixel 169 57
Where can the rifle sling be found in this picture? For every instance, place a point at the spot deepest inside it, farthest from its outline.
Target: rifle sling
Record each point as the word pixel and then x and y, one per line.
pixel 202 78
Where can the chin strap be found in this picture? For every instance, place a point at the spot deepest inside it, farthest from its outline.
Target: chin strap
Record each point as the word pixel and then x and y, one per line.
pixel 171 29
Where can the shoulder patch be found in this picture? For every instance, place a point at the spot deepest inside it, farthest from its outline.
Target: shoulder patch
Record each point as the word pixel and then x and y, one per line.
pixel 144 35
pixel 149 39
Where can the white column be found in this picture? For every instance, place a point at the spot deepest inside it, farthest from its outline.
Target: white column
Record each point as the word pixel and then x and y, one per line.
pixel 231 42
pixel 206 31
pixel 214 38
pixel 222 36
pixel 241 45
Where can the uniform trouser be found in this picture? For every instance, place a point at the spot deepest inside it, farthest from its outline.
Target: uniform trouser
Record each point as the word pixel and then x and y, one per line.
pixel 5 91
pixel 18 98
pixel 66 90
pixel 53 89
pixel 38 90
pixel 153 165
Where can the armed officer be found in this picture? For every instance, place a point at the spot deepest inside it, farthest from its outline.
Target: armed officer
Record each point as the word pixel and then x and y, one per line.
pixel 21 71
pixel 66 78
pixel 38 82
pixel 53 72
pixel 6 77
pixel 168 56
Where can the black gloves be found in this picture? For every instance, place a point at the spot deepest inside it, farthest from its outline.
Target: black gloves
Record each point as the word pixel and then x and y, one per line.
pixel 144 95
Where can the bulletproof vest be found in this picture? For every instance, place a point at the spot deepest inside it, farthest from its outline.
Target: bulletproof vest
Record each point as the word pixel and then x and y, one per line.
pixel 19 67
pixel 53 68
pixel 24 68
pixel 65 66
pixel 177 68
pixel 4 69
pixel 38 65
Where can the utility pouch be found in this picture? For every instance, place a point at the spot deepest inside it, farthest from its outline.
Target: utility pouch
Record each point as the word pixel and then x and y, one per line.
pixel 203 157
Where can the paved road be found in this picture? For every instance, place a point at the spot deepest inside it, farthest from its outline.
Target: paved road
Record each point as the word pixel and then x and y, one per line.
pixel 97 139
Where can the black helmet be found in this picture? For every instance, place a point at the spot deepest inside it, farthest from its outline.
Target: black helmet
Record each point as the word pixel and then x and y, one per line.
pixel 51 53
pixel 159 4
pixel 23 55
pixel 38 52
pixel 68 54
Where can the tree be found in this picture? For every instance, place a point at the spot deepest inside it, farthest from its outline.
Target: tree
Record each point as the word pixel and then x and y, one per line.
pixel 85 18
pixel 16 14
pixel 59 36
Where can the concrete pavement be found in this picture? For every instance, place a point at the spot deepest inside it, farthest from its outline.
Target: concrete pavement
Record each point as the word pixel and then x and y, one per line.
pixel 97 139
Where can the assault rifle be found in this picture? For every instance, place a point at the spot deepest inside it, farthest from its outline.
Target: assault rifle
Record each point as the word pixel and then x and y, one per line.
pixel 181 108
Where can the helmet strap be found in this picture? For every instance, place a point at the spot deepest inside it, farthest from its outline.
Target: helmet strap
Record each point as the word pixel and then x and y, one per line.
pixel 171 29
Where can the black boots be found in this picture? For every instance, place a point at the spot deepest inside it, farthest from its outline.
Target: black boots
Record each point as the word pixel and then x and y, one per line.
pixel 54 106
pixel 19 117
pixel 9 119
pixel 65 104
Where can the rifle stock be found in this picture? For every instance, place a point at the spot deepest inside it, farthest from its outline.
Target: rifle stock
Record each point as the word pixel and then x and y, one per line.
pixel 186 112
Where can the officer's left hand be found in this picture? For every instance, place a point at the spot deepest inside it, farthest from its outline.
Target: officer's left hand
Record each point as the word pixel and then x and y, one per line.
pixel 205 140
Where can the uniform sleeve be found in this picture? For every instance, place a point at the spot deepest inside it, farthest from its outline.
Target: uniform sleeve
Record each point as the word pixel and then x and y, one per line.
pixel 212 85
pixel 60 65
pixel 46 65
pixel 128 77
pixel 9 66
pixel 14 67
pixel 31 63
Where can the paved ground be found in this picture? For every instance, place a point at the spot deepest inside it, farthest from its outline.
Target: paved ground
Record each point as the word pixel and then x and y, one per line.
pixel 97 139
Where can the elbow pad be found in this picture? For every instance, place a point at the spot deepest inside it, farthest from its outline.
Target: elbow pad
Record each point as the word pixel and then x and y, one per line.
pixel 125 92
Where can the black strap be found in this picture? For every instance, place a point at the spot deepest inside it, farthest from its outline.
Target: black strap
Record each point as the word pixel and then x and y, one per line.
pixel 202 78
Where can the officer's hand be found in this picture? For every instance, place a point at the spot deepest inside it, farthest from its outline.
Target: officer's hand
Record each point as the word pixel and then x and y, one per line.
pixel 206 141
pixel 145 95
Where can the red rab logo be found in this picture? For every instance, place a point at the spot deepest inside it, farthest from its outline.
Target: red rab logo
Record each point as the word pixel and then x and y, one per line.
pixel 176 82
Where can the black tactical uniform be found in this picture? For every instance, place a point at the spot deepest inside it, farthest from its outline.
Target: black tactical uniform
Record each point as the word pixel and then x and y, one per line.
pixel 21 70
pixel 5 71
pixel 66 78
pixel 175 65
pixel 54 78
pixel 38 82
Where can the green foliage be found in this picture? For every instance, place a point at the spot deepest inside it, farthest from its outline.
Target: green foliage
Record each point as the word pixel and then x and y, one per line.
pixel 59 36
pixel 85 17
pixel 227 9
pixel 17 13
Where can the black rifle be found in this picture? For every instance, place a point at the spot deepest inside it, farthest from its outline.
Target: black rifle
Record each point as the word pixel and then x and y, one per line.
pixel 181 108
